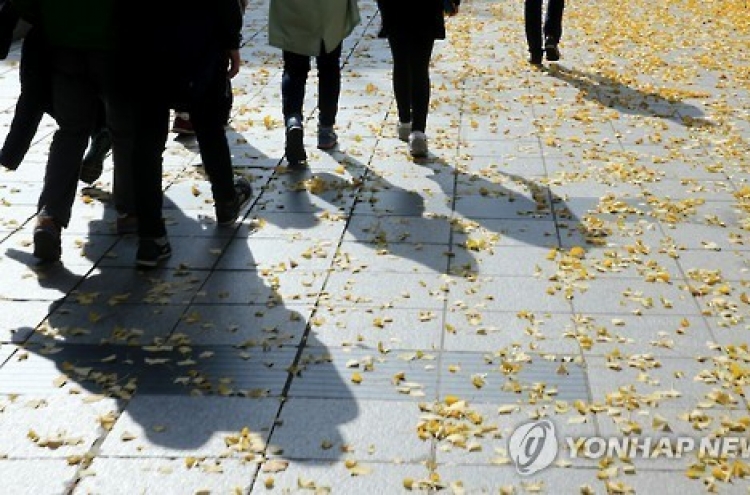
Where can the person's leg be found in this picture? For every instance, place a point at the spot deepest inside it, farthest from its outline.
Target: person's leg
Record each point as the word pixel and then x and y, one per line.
pixel 230 194
pixel 533 25
pixel 33 101
pixel 553 21
pixel 420 52
pixel 208 121
pixel 151 128
pixel 74 106
pixel 293 81
pixel 329 85
pixel 402 76
pixel 74 101
pixel 99 146
pixel 116 110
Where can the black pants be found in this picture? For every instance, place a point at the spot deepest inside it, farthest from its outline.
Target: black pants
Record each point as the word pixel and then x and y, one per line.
pixel 34 100
pixel 535 30
pixel 82 79
pixel 208 116
pixel 411 77
pixel 294 80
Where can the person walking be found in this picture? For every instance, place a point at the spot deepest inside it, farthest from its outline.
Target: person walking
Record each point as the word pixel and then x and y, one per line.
pixel 35 99
pixel 412 28
pixel 189 48
pixel 303 29
pixel 543 38
pixel 80 36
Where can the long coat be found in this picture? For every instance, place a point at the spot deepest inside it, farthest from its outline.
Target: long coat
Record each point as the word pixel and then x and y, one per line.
pixel 420 18
pixel 300 26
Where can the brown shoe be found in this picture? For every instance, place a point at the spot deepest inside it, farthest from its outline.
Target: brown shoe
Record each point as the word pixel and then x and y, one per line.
pixel 47 243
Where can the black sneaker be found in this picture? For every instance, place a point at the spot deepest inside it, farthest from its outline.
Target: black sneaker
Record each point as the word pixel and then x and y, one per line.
pixel 535 59
pixel 47 243
pixel 327 138
pixel 93 162
pixel 152 251
pixel 227 212
pixel 551 50
pixel 295 146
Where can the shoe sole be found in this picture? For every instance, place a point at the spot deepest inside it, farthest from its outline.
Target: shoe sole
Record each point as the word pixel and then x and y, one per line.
pixel 327 147
pixel 295 146
pixel 46 246
pixel 152 263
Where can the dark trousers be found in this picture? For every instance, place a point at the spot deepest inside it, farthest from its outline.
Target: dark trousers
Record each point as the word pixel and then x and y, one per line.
pixel 81 80
pixel 294 80
pixel 535 30
pixel 411 77
pixel 34 100
pixel 208 116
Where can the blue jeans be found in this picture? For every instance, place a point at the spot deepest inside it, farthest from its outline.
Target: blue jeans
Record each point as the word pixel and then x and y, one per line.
pixel 536 32
pixel 294 80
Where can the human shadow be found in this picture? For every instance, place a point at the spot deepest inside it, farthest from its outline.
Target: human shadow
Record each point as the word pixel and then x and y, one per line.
pixel 202 356
pixel 626 99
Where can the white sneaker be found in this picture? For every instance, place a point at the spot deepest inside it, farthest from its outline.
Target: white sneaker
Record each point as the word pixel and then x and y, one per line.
pixel 404 129
pixel 418 144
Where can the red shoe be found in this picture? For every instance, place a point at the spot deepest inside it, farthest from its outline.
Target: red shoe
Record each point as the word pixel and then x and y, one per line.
pixel 182 124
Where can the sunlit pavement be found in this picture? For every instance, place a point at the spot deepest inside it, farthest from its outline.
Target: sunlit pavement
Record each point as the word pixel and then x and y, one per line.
pixel 575 248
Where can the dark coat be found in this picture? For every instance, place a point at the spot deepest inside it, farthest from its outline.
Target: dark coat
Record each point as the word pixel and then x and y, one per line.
pixel 414 17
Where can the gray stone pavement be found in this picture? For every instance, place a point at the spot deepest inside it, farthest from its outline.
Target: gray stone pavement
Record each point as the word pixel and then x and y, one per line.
pixel 574 249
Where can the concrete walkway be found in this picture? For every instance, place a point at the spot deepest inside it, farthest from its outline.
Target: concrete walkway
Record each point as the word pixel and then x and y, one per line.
pixel 575 249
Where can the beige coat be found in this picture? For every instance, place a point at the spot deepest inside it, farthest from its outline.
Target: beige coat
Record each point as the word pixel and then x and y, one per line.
pixel 299 26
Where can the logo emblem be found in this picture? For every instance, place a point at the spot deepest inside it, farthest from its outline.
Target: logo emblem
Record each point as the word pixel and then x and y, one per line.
pixel 533 446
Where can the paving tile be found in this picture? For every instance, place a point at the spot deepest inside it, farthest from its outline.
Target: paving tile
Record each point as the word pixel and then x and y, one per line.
pixel 427 291
pixel 395 229
pixel 122 476
pixel 157 426
pixel 633 296
pixel 277 254
pixel 244 325
pixel 316 430
pixel 96 320
pixel 335 476
pixel 664 382
pixel 250 287
pixel 22 475
pixel 37 427
pixel 477 331
pixel 485 377
pixel 370 327
pixel 506 294
pixel 376 374
pixel 19 318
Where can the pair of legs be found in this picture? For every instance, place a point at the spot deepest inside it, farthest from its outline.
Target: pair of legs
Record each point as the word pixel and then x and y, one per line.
pixel 293 84
pixel 411 86
pixel 35 100
pixel 152 128
pixel 538 34
pixel 81 81
pixel 294 81
pixel 411 77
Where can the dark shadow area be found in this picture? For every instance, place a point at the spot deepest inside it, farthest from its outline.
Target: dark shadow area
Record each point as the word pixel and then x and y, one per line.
pixel 188 349
pixel 623 98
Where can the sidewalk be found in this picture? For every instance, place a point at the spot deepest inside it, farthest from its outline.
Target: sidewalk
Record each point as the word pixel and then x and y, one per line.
pixel 575 249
